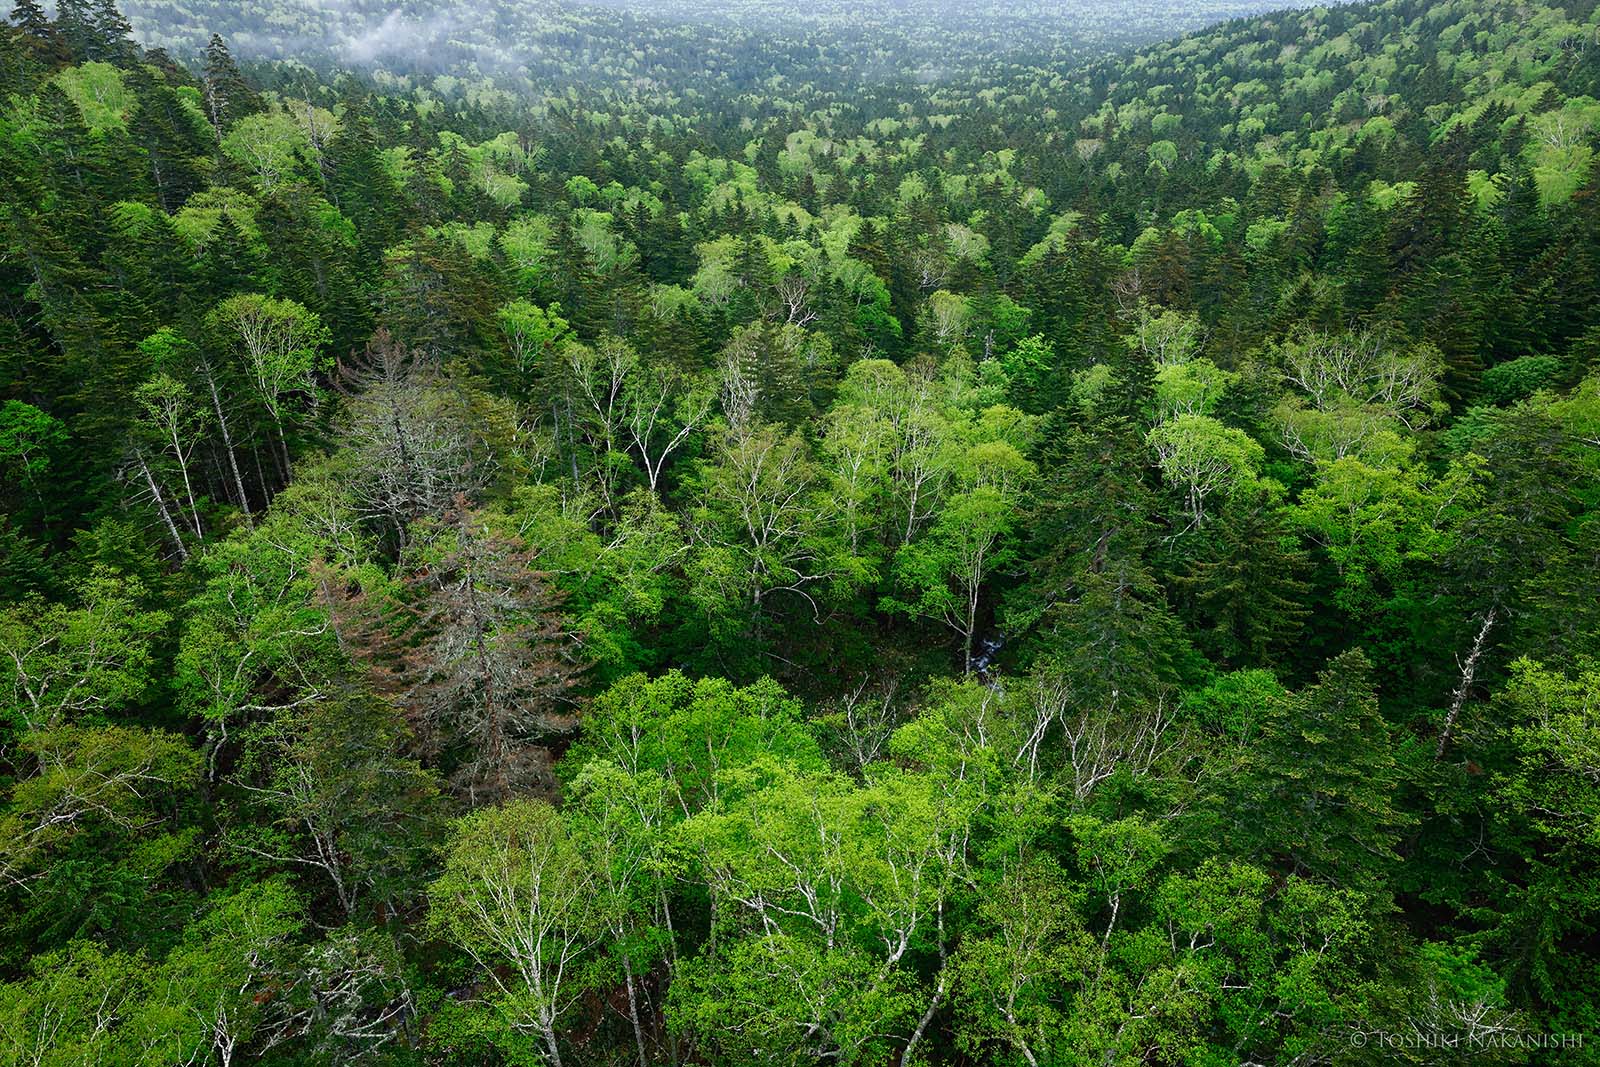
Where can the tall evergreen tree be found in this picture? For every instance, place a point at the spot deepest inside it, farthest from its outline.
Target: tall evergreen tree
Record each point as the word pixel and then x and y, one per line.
pixel 227 96
pixel 1318 797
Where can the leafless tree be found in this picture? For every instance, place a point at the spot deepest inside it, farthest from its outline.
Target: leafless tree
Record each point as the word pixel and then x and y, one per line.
pixel 343 994
pixel 138 470
pixel 1469 672
pixel 862 719
pixel 412 446
pixel 1362 368
pixel 931 267
pixel 662 411
pixel 793 291
pixel 1096 739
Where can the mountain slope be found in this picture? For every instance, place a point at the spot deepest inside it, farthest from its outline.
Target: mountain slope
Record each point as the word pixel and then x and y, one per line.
pixel 749 541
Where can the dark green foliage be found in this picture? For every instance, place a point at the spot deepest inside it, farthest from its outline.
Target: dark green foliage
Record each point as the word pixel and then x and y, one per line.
pixel 1247 591
pixel 1318 796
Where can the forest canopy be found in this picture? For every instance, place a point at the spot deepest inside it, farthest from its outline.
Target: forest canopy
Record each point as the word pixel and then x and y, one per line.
pixel 858 534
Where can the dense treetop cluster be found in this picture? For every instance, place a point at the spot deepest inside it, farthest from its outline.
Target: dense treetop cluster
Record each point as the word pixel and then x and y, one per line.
pixel 614 556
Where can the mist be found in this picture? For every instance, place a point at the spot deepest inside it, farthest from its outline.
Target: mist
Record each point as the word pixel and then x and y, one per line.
pixel 636 45
pixel 394 35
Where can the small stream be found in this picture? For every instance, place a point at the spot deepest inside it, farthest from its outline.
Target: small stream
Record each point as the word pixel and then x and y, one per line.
pixel 985 655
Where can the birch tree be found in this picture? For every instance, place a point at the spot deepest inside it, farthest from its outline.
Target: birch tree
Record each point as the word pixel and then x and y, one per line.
pixel 171 418
pixel 1202 458
pixel 517 898
pixel 280 342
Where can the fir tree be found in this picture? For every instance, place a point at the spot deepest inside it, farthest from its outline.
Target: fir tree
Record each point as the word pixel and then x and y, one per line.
pixel 227 96
pixel 1319 798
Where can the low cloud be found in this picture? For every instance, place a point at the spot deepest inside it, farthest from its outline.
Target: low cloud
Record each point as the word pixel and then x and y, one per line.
pixel 395 35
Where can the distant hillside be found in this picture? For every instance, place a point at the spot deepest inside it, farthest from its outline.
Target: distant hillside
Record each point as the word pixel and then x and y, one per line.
pixel 692 42
pixel 1353 88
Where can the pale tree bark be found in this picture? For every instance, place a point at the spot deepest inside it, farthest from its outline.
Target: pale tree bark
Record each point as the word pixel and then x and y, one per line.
pixel 646 415
pixel 633 1008
pixel 227 444
pixel 933 1002
pixel 161 506
pixel 918 467
pixel 602 377
pixel 165 408
pixel 1469 671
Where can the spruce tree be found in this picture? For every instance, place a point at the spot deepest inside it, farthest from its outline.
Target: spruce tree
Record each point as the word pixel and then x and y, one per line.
pixel 1318 797
pixel 40 40
pixel 227 96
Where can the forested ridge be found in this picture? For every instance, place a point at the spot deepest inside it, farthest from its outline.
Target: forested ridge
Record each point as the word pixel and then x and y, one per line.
pixel 1040 562
pixel 535 47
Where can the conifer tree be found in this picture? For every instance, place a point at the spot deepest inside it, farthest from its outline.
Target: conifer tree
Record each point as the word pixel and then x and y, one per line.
pixel 1320 796
pixel 227 96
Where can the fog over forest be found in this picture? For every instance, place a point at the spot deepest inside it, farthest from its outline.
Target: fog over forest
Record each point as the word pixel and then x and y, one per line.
pixel 892 38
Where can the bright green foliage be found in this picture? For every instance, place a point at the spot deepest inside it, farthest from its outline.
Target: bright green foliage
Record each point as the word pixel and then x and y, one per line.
pixel 1203 458
pixel 531 334
pixel 88 785
pixel 212 992
pixel 617 588
pixel 100 93
pixel 946 569
pixel 762 533
pixel 1373 521
pixel 517 896
pixel 279 341
pixel 268 145
pixel 78 663
pixel 811 914
pixel 256 628
pixel 1278 965
pixel 27 437
pixel 688 732
pixel 1011 978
